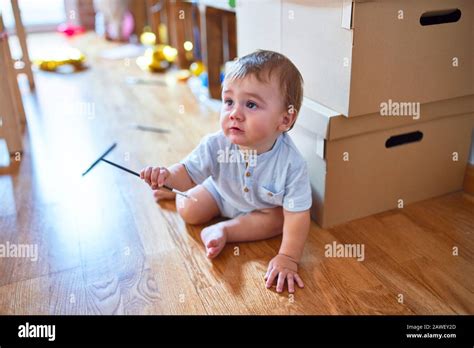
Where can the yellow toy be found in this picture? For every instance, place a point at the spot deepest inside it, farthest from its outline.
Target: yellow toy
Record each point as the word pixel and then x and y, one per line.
pixel 157 59
pixel 197 68
pixel 72 57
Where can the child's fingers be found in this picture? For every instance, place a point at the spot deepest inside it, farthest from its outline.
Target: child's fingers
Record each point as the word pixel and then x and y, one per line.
pixel 298 280
pixel 143 173
pixel 269 268
pixel 281 281
pixel 148 175
pixel 163 176
pixel 291 283
pixel 271 278
pixel 267 274
pixel 155 173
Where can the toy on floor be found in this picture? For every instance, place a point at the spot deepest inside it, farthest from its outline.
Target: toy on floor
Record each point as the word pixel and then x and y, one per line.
pixel 157 59
pixel 197 68
pixel 148 38
pixel 71 58
pixel 183 75
pixel 70 29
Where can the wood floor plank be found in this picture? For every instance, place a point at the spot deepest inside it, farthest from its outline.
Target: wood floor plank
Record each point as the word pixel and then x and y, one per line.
pixel 453 294
pixel 414 293
pixel 177 294
pixel 47 234
pixel 435 247
pixel 381 260
pixel 449 219
pixel 25 297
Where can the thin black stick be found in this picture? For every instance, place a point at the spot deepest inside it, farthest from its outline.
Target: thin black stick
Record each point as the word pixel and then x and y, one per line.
pixel 119 166
pixel 101 157
pixel 136 174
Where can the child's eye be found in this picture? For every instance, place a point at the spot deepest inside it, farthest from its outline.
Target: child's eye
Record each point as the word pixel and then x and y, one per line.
pixel 228 102
pixel 251 105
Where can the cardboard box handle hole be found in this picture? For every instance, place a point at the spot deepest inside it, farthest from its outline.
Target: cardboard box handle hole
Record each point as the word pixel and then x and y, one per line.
pixel 403 139
pixel 440 17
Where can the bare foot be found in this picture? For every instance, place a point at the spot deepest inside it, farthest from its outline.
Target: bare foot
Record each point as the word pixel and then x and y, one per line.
pixel 163 194
pixel 214 239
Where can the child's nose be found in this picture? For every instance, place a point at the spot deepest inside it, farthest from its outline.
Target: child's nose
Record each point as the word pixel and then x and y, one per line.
pixel 236 114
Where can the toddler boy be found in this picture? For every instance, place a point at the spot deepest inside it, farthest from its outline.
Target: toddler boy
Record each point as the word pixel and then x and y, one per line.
pixel 250 171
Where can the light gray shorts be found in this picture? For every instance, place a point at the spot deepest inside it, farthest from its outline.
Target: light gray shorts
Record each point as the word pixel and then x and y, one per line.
pixel 226 209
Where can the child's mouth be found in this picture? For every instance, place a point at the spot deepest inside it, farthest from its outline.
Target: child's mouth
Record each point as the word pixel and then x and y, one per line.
pixel 235 130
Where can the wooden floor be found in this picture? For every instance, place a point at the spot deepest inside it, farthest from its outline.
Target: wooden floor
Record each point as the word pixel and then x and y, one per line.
pixel 105 247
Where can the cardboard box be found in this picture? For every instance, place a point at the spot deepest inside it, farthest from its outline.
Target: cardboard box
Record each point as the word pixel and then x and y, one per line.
pixel 354 55
pixel 258 26
pixel 360 166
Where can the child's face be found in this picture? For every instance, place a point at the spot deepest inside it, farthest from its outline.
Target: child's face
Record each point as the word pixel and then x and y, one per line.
pixel 253 112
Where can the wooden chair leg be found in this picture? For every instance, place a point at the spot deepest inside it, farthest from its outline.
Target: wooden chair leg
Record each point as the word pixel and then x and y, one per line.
pixel 138 10
pixel 15 91
pixel 20 31
pixel 11 77
pixel 158 10
pixel 221 45
pixel 231 39
pixel 10 128
pixel 10 123
pixel 176 27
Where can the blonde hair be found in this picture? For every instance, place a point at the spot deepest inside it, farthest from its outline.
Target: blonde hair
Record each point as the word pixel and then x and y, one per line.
pixel 262 64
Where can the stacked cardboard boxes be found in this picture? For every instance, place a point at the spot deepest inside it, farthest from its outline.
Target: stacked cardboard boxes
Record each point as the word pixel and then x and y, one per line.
pixel 388 111
pixel 368 164
pixel 389 100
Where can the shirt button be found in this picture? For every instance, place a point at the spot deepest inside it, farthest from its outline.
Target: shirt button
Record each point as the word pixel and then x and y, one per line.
pixel 247 174
pixel 270 194
pixel 246 189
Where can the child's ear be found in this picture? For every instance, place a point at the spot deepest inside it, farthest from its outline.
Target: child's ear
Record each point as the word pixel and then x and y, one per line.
pixel 285 122
pixel 288 119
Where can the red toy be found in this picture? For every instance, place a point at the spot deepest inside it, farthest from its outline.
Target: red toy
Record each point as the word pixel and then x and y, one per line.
pixel 70 29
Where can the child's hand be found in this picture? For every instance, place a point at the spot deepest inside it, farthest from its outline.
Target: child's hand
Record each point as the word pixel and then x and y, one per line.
pixel 286 269
pixel 155 176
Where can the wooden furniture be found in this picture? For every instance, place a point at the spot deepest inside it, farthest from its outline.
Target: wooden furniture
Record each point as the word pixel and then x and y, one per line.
pixel 25 63
pixel 220 40
pixel 184 19
pixel 220 44
pixel 138 8
pixel 183 23
pixel 81 12
pixel 209 25
pixel 11 107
